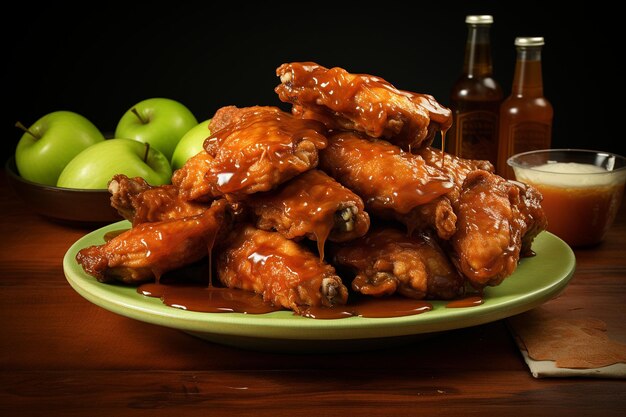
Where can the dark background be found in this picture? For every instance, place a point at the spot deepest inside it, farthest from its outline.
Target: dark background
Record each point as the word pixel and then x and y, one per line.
pixel 101 58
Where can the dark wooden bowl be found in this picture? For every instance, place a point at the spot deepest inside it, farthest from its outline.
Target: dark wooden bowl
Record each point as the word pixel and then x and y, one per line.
pixel 66 205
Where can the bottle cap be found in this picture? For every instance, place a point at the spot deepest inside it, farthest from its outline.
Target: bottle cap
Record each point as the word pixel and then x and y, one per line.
pixel 533 41
pixel 479 19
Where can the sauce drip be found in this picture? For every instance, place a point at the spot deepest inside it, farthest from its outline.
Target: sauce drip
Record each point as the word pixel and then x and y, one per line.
pixel 371 307
pixel 313 203
pixel 208 299
pixel 188 289
pixel 471 301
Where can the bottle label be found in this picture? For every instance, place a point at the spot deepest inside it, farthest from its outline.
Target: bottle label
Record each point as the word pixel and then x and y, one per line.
pixel 530 136
pixel 476 133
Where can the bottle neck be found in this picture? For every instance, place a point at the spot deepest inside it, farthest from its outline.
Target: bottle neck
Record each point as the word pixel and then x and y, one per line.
pixel 478 52
pixel 528 81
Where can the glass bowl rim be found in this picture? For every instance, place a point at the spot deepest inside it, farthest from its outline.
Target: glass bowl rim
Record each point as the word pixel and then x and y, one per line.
pixel 514 164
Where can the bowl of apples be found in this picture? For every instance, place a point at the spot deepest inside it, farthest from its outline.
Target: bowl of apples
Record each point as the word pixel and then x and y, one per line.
pixel 67 205
pixel 63 163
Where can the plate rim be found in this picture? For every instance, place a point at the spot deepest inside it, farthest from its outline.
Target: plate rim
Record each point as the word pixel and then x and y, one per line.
pixel 280 325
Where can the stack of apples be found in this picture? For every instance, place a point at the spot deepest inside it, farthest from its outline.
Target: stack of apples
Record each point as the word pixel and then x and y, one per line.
pixel 152 139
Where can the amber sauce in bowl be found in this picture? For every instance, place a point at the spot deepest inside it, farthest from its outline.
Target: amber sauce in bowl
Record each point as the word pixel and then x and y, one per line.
pixel 582 190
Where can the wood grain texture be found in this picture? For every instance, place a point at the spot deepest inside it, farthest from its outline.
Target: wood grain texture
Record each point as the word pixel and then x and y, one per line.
pixel 63 356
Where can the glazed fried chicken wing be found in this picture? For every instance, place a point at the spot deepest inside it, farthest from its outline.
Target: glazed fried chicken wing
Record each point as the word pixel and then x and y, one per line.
pixel 148 250
pixel 190 179
pixel 361 102
pixel 454 167
pixel 387 261
pixel 312 205
pixel 437 215
pixel 139 202
pixel 532 212
pixel 227 115
pixel 440 212
pixel 392 182
pixel 494 217
pixel 279 269
pixel 260 149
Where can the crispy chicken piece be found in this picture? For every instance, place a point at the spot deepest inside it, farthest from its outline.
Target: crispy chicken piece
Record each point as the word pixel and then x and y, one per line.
pixel 262 148
pixel 392 182
pixel 283 272
pixel 534 216
pixel 387 261
pixel 190 179
pixel 453 166
pixel 361 102
pixel 440 212
pixel 437 215
pixel 494 217
pixel 148 250
pixel 139 202
pixel 227 115
pixel 312 205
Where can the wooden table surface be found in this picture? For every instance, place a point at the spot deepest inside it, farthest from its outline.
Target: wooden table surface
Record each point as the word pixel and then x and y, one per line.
pixel 61 355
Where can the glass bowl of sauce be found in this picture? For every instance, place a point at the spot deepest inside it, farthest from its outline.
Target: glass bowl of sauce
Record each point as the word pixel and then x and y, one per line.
pixel 582 190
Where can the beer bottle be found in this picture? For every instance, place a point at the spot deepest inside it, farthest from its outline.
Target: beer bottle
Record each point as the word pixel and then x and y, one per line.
pixel 476 97
pixel 526 115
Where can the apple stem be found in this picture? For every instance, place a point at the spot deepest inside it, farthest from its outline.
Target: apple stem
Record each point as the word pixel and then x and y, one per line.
pixel 145 154
pixel 136 113
pixel 19 125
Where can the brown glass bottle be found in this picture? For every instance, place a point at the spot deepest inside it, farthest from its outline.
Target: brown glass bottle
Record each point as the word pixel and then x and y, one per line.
pixel 526 115
pixel 475 98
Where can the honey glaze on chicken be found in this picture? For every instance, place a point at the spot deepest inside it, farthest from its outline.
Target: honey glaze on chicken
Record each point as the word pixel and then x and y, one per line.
pixel 313 205
pixel 262 148
pixel 362 102
pixel 349 167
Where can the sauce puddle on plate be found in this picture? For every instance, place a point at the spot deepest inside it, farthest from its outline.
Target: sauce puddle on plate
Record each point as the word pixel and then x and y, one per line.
pixel 187 289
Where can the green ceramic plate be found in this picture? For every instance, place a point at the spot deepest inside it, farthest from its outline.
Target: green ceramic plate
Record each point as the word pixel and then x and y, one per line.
pixel 536 280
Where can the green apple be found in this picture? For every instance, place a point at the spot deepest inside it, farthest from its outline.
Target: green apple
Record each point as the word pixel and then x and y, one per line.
pixel 94 167
pixel 161 122
pixel 190 144
pixel 51 142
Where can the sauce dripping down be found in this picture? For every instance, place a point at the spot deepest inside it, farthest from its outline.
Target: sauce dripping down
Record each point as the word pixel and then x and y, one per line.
pixel 313 204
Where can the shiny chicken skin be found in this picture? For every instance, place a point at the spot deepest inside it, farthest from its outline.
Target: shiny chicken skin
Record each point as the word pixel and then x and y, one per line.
pixel 361 102
pixel 494 217
pixel 439 213
pixel 261 149
pixel 453 167
pixel 191 178
pixel 387 261
pixel 139 202
pixel 312 205
pixel 148 250
pixel 392 183
pixel 283 272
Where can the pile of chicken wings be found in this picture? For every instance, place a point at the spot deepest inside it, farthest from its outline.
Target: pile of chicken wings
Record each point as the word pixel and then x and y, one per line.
pixel 350 169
